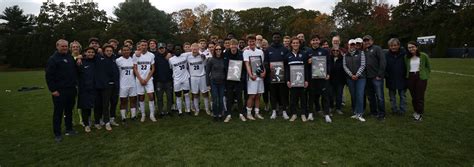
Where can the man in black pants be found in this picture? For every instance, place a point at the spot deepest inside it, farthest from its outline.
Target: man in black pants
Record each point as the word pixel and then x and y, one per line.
pixel 234 88
pixel 163 79
pixel 61 78
pixel 278 91
pixel 319 87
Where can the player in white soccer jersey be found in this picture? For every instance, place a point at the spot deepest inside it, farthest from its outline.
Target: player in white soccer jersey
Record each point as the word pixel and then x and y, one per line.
pixel 143 68
pixel 254 82
pixel 179 65
pixel 128 85
pixel 196 64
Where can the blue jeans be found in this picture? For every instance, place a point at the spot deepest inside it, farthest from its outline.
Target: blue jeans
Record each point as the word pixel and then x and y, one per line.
pixel 402 108
pixel 375 96
pixel 217 93
pixel 357 88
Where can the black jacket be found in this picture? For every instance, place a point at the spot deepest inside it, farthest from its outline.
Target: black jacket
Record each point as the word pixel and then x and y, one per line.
pixel 215 70
pixel 106 74
pixel 274 53
pixel 338 76
pixel 300 59
pixel 163 72
pixel 376 63
pixel 354 64
pixel 395 70
pixel 61 72
pixel 86 96
pixel 238 56
pixel 321 52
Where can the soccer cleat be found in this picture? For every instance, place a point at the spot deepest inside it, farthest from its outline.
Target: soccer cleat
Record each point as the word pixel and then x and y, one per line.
pixel 416 116
pixel 98 126
pixel 285 116
pixel 242 117
pixel 327 118
pixel 196 113
pixel 310 117
pixel 152 118
pixel 259 116
pixel 208 112
pixel 360 118
pixel 303 118
pixel 142 119
pixel 87 129
pixel 250 117
pixel 293 118
pixel 274 115
pixel 108 127
pixel 113 123
pixel 227 119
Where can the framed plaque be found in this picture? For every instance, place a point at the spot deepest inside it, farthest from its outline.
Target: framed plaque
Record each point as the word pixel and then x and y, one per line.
pixel 297 75
pixel 318 67
pixel 235 70
pixel 278 72
pixel 256 65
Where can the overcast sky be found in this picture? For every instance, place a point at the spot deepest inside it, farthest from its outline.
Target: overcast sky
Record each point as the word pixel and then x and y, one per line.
pixel 326 6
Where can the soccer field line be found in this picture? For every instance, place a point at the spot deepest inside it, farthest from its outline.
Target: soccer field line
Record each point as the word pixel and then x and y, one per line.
pixel 453 73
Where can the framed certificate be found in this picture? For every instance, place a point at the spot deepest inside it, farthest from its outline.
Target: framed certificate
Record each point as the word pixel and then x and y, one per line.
pixel 318 67
pixel 278 72
pixel 297 75
pixel 235 70
pixel 256 65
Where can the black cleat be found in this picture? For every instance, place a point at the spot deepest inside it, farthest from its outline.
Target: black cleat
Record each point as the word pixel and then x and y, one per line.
pixel 58 139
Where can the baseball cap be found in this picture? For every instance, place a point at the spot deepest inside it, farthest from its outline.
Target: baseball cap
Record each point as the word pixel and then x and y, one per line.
pixel 161 45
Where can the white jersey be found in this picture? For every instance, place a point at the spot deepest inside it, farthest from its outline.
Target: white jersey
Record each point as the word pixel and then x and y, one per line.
pixel 144 63
pixel 196 65
pixel 125 66
pixel 205 53
pixel 257 52
pixel 179 64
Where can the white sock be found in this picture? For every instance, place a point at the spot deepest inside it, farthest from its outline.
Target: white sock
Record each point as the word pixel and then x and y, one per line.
pixel 206 103
pixel 196 103
pixel 249 111
pixel 257 110
pixel 134 112
pixel 178 104
pixel 225 103
pixel 122 112
pixel 142 107
pixel 274 112
pixel 151 104
pixel 187 100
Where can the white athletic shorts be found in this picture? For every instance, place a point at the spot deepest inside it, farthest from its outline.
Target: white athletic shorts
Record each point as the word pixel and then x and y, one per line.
pixel 148 88
pixel 198 84
pixel 254 87
pixel 128 92
pixel 180 86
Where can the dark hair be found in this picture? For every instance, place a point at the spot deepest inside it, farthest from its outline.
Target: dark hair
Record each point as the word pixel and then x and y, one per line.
pixel 409 55
pixel 211 43
pixel 152 40
pixel 94 39
pixel 251 37
pixel 276 33
pixel 89 48
pixel 107 46
pixel 315 36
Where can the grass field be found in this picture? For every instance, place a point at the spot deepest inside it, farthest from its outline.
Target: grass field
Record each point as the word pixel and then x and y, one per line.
pixel 444 138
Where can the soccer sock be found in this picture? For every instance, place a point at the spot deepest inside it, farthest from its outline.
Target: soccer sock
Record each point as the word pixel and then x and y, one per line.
pixel 151 104
pixel 274 112
pixel 206 103
pixel 249 111
pixel 122 112
pixel 142 108
pixel 196 103
pixel 187 100
pixel 179 105
pixel 257 110
pixel 225 103
pixel 134 112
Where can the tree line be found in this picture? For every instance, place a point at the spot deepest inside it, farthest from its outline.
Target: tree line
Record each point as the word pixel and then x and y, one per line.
pixel 28 40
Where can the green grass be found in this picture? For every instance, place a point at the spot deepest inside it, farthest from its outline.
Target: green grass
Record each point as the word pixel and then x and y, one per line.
pixel 444 138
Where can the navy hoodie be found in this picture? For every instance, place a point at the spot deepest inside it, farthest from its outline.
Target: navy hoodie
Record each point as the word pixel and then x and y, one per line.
pixel 107 74
pixel 61 72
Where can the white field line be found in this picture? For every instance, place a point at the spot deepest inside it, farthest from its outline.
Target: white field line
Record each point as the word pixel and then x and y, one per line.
pixel 452 73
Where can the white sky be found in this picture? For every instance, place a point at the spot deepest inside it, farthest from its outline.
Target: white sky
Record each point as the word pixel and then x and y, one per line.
pixel 169 6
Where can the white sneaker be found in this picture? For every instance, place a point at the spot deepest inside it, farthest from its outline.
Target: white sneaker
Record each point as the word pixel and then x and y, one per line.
pixel 328 119
pixel 250 117
pixel 303 118
pixel 285 116
pixel 360 118
pixel 98 126
pixel 152 118
pixel 108 127
pixel 274 115
pixel 242 117
pixel 196 113
pixel 143 118
pixel 339 112
pixel 416 116
pixel 259 116
pixel 227 119
pixel 87 129
pixel 208 112
pixel 113 123
pixel 354 116
pixel 293 118
pixel 310 117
